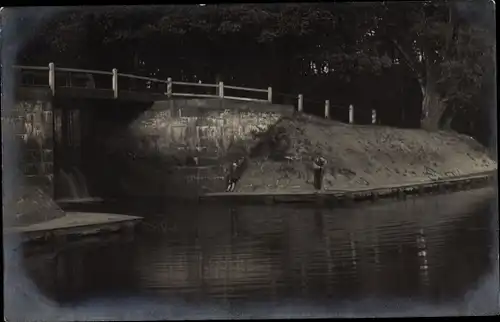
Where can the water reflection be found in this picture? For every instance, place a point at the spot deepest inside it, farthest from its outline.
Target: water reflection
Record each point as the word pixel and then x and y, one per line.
pixel 431 249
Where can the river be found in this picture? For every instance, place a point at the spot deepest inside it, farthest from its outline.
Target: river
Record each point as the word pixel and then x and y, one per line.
pixel 435 255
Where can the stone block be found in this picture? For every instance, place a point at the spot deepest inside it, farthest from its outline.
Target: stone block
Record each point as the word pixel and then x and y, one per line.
pixel 32 156
pixel 47 168
pixel 31 169
pixel 18 125
pixel 47 155
pixel 48 142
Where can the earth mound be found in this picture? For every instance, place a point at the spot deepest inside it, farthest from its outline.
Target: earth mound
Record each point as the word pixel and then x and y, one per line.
pixel 358 156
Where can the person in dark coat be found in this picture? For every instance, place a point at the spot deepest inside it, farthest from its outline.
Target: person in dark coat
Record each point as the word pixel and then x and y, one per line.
pixel 235 171
pixel 318 167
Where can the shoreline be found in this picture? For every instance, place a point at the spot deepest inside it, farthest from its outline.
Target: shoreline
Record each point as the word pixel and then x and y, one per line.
pixel 348 196
pixel 74 224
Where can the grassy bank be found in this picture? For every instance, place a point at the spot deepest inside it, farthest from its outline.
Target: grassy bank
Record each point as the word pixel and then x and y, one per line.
pixel 359 156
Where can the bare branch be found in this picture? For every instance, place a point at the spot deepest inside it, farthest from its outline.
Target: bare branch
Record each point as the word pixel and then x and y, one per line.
pixel 410 64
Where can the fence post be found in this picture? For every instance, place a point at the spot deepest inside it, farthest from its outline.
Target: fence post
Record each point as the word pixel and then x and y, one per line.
pixel 115 83
pixel 327 109
pixel 351 114
pixel 221 89
pixel 270 94
pixel 52 78
pixel 169 87
pixel 300 105
pixel 374 116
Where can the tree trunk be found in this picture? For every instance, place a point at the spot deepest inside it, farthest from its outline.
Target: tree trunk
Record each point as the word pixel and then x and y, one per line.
pixel 446 122
pixel 447 117
pixel 433 107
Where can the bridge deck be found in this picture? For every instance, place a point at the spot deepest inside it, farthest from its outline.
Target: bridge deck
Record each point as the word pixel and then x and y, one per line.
pixel 28 92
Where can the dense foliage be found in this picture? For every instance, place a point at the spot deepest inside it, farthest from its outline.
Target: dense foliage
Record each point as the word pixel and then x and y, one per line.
pixel 427 64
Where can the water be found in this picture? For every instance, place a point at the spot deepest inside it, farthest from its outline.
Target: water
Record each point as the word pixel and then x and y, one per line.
pixel 73 185
pixel 421 257
pixel 82 183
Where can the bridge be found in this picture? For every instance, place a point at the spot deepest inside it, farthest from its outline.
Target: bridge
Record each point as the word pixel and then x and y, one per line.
pixel 81 125
pixel 86 83
pixel 113 85
pixel 93 120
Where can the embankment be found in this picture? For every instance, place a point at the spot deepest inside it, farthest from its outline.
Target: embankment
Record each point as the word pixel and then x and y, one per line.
pixel 359 156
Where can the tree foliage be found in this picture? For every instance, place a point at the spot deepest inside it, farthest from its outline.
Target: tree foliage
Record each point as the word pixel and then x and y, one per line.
pixel 447 47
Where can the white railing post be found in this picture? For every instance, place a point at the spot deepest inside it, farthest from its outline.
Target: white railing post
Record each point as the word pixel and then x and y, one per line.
pixel 169 87
pixel 115 83
pixel 351 114
pixel 300 104
pixel 270 94
pixel 374 116
pixel 52 78
pixel 327 109
pixel 221 89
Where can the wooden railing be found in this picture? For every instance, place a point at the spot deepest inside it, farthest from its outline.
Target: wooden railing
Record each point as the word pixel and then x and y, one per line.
pixel 117 82
pixel 171 88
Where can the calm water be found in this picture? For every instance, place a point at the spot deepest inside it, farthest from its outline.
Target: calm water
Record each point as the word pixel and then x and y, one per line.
pixel 428 256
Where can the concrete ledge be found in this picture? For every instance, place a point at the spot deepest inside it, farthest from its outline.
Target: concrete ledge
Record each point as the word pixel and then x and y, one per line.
pixel 346 197
pixel 72 201
pixel 74 223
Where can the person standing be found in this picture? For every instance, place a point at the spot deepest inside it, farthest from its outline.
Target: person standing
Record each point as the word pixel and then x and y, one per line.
pixel 235 171
pixel 318 167
pixel 231 182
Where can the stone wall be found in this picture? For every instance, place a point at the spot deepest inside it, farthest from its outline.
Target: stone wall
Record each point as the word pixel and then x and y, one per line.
pixel 135 149
pixel 33 129
pixel 159 145
pixel 211 128
pixel 29 126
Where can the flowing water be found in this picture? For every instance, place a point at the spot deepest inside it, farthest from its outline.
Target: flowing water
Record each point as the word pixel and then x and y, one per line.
pixel 82 183
pixel 435 255
pixel 73 185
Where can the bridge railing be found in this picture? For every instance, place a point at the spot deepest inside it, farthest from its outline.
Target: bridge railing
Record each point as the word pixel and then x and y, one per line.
pixel 119 82
pixel 57 77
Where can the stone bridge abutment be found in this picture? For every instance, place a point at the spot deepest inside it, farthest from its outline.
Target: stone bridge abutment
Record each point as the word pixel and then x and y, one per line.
pixel 134 148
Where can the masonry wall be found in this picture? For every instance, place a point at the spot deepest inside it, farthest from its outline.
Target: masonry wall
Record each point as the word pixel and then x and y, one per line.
pixel 33 130
pixel 154 150
pixel 207 128
pixel 29 126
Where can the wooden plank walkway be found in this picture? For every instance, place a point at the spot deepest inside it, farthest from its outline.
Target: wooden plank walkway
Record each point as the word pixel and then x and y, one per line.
pixel 347 196
pixel 75 223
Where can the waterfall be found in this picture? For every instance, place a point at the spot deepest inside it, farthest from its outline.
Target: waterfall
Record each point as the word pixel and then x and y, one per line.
pixel 82 183
pixel 73 184
pixel 67 184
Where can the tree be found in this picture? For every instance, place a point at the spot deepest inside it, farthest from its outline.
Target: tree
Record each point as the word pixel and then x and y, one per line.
pixel 445 45
pixel 446 48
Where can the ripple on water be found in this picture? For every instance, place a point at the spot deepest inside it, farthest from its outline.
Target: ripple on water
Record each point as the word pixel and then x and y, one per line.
pixel 431 250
